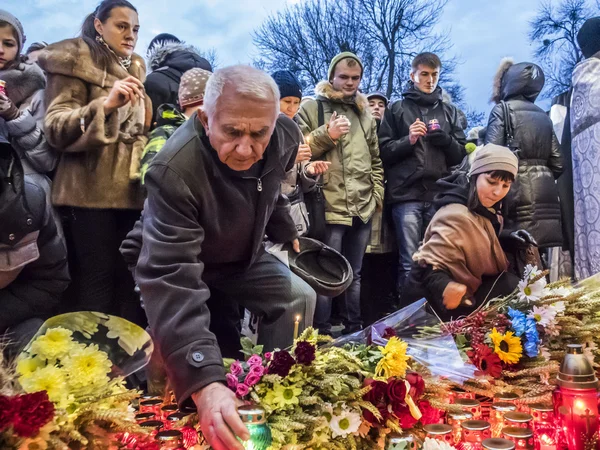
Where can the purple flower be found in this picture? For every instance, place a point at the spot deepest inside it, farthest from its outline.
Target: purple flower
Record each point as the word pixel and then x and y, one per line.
pixel 255 360
pixel 232 381
pixel 242 390
pixel 305 353
pixel 281 364
pixel 236 369
pixel 252 379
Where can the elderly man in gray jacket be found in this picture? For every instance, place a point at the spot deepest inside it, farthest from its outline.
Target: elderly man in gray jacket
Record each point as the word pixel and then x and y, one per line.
pixel 214 191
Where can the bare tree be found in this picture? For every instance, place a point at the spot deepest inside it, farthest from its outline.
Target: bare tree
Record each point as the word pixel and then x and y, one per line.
pixel 554 32
pixel 211 56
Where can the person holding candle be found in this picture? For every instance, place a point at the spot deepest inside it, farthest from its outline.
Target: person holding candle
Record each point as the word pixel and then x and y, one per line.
pixel 461 262
pixel 214 192
pixel 97 118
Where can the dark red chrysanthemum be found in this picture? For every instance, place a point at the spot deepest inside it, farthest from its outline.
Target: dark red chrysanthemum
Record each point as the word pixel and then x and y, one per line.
pixel 34 411
pixel 281 364
pixel 486 360
pixel 305 353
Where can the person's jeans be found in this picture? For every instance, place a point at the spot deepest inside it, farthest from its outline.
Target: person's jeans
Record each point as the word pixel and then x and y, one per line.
pixel 411 219
pixel 350 241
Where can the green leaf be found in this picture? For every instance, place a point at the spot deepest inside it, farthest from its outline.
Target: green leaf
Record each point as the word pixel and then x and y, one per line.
pixel 247 344
pixel 461 341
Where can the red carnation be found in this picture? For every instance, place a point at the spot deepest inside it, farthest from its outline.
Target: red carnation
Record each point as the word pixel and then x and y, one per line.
pixel 396 391
pixel 377 394
pixel 486 360
pixel 417 385
pixel 281 364
pixel 404 416
pixel 305 353
pixel 7 411
pixel 389 333
pixel 34 411
pixel 430 414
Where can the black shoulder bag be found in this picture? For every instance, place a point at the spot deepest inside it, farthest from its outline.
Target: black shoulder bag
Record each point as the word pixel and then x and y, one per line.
pixel 315 200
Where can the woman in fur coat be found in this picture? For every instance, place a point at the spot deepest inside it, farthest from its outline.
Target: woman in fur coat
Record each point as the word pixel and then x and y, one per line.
pixel 533 203
pixel 97 119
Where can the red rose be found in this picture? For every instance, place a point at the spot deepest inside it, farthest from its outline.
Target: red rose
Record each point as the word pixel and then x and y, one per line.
pixel 377 393
pixel 370 417
pixel 417 385
pixel 430 414
pixel 34 411
pixel 403 414
pixel 396 391
pixel 7 411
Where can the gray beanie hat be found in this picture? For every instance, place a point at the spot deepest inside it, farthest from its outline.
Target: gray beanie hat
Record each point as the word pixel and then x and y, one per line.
pixel 494 157
pixel 16 24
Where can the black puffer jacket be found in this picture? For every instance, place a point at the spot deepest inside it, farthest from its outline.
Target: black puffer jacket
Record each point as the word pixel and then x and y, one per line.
pixel 534 204
pixel 411 171
pixel 168 63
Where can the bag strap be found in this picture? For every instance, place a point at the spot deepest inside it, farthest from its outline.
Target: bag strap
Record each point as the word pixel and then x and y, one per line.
pixel 508 128
pixel 321 114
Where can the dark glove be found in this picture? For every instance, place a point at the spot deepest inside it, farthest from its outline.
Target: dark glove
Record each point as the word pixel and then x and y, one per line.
pixel 523 237
pixel 439 138
pixel 8 110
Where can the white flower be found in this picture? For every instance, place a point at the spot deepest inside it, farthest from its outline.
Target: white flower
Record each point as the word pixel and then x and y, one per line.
pixel 545 353
pixel 347 422
pixel 543 315
pixel 562 291
pixel 530 272
pixel 531 292
pixel 433 444
pixel 559 307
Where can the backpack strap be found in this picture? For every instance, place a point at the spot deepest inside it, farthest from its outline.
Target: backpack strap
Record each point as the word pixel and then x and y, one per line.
pixel 321 113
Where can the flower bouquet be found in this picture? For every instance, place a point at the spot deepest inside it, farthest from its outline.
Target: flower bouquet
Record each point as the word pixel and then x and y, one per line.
pixel 348 397
pixel 67 389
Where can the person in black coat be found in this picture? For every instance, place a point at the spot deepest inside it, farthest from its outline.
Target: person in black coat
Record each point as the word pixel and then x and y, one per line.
pixel 420 138
pixel 33 256
pixel 534 205
pixel 168 59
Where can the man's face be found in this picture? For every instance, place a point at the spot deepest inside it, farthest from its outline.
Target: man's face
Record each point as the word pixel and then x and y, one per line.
pixel 346 79
pixel 425 78
pixel 240 128
pixel 377 107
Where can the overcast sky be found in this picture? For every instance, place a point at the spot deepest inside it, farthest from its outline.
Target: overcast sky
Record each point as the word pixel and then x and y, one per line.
pixel 483 32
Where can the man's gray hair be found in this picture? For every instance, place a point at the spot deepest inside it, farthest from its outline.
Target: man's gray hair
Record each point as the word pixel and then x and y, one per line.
pixel 245 81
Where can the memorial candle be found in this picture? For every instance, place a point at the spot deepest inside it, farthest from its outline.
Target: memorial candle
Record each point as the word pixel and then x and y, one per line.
pixel 296 325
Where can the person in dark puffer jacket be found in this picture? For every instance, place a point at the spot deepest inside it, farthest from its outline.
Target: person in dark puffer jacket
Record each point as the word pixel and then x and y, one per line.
pixel 169 59
pixel 533 203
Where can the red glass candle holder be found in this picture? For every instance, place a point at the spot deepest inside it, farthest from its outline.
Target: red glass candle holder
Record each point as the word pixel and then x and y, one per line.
pixel 506 397
pixel 143 417
pixel 152 405
pixel 167 410
pixel 522 437
pixel 460 394
pixel 170 440
pixel 153 426
pixel 497 416
pixel 177 421
pixel 497 444
pixel 455 420
pixel 469 405
pixel 474 432
pixel 517 419
pixel 439 432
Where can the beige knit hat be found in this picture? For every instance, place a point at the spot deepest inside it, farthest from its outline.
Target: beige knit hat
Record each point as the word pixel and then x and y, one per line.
pixel 494 157
pixel 192 86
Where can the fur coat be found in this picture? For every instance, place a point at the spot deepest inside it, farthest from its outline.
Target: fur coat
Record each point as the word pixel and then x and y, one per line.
pixel 98 152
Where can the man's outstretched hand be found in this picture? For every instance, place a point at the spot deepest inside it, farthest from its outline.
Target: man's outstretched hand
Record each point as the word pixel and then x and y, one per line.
pixel 219 419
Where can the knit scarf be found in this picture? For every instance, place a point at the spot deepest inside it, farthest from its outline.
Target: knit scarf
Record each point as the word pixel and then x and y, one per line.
pixel 125 62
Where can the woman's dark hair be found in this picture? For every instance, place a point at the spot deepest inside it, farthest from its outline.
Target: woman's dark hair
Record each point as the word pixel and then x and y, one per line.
pixel 18 58
pixel 101 55
pixel 473 199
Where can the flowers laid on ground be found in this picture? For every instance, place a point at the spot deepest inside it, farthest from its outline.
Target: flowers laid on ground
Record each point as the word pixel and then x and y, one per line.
pixel 63 392
pixel 322 398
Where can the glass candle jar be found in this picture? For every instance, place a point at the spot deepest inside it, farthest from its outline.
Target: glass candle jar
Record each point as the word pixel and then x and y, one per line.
pixel 469 405
pixel 461 394
pixel 255 419
pixel 455 419
pixel 176 420
pixel 497 416
pixel 522 437
pixel 404 441
pixel 497 444
pixel 545 428
pixel 439 432
pixel 152 405
pixel 517 419
pixel 473 434
pixel 506 397
pixel 167 410
pixel 170 440
pixel 152 426
pixel 143 417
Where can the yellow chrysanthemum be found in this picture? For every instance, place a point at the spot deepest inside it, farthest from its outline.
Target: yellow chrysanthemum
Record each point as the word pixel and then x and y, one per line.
pixel 26 366
pixel 131 337
pixel 507 346
pixel 53 345
pixel 51 379
pixel 395 361
pixel 87 366
pixel 282 396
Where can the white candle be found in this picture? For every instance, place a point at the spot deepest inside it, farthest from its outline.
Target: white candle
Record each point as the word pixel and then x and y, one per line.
pixel 296 325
